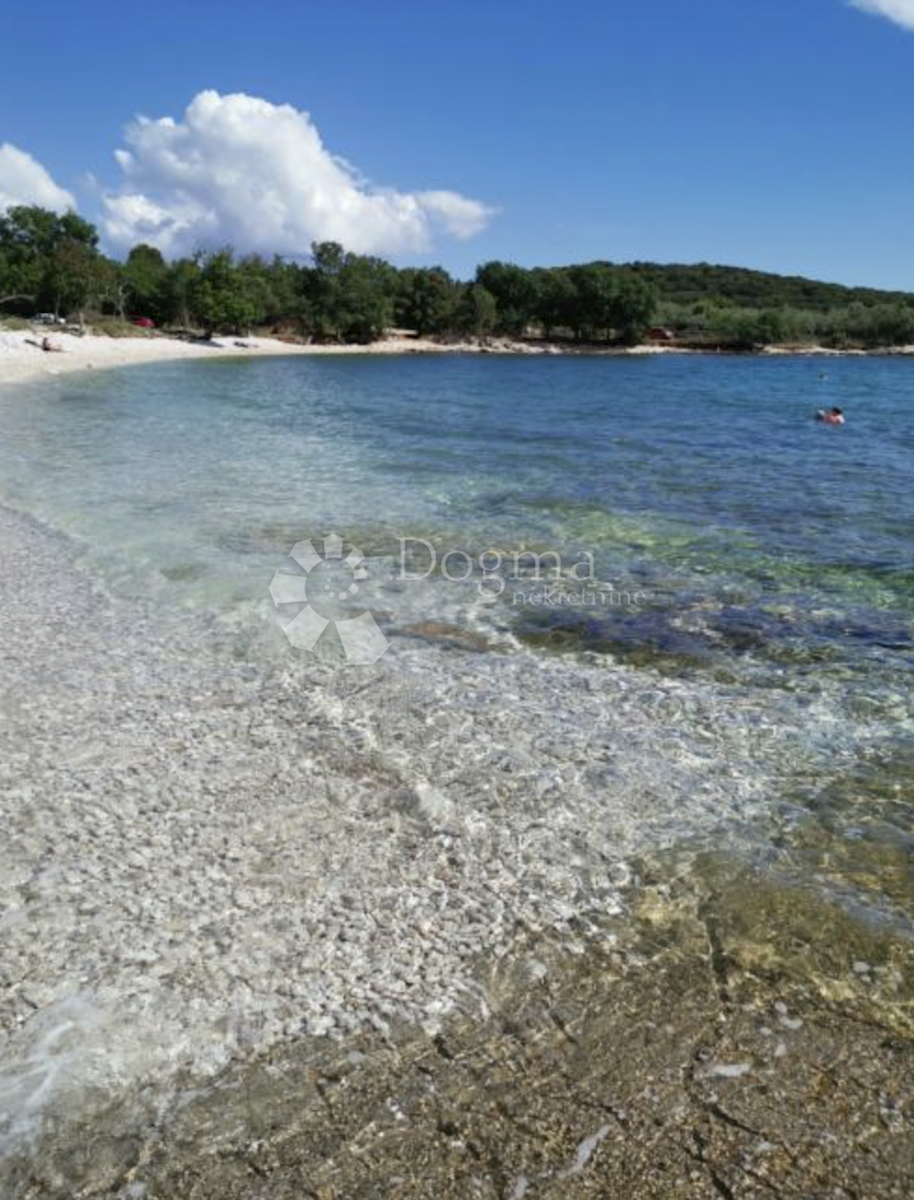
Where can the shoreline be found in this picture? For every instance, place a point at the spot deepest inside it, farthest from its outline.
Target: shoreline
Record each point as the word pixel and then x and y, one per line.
pixel 714 1042
pixel 238 861
pixel 296 955
pixel 21 362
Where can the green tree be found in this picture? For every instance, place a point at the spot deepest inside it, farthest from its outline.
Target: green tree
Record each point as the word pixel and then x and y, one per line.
pixel 631 308
pixel 322 289
pixel 365 298
pixel 556 297
pixel 218 297
pixel 274 287
pixel 52 259
pixel 74 278
pixel 177 292
pixel 347 297
pixel 515 292
pixel 477 312
pixel 426 300
pixel 591 314
pixel 145 276
pixel 26 243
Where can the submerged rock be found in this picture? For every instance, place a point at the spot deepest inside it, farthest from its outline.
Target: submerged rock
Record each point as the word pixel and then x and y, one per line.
pixel 450 637
pixel 646 1071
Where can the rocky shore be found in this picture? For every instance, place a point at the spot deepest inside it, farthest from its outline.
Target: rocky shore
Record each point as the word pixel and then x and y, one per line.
pixel 728 1044
pixel 204 858
pixel 419 933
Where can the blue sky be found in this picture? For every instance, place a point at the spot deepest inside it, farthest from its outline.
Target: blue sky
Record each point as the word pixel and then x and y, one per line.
pixel 771 135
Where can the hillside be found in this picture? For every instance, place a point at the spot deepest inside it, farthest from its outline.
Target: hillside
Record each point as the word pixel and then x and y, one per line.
pixel 735 307
pixel 689 284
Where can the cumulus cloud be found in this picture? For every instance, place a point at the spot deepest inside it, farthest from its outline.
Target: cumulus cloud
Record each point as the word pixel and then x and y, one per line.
pixel 240 170
pixel 899 11
pixel 23 180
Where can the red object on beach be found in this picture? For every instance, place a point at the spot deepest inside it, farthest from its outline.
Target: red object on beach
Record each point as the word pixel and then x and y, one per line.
pixel 143 322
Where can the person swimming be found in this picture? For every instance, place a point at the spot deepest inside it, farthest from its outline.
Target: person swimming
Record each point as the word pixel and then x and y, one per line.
pixel 830 416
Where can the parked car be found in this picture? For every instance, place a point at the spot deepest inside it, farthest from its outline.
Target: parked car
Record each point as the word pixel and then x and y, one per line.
pixel 143 322
pixel 48 319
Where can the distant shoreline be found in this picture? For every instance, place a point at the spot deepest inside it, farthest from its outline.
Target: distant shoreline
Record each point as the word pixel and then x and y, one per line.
pixel 21 362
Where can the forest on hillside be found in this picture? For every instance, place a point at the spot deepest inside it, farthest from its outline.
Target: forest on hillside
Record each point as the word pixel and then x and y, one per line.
pixel 52 263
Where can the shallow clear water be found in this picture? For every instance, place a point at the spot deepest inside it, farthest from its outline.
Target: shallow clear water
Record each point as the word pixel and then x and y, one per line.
pixel 747 660
pixel 703 483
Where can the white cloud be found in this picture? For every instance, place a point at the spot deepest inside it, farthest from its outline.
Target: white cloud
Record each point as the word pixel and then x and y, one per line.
pixel 25 181
pixel 899 11
pixel 243 171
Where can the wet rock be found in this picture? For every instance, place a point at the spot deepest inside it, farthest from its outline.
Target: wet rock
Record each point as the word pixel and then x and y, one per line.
pixel 448 636
pixel 583 1079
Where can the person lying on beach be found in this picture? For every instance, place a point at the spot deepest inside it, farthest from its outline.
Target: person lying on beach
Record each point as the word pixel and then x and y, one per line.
pixel 45 344
pixel 832 416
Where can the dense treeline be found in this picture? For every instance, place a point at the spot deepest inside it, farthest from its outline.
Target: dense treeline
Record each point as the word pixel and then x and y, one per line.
pixel 734 305
pixel 52 263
